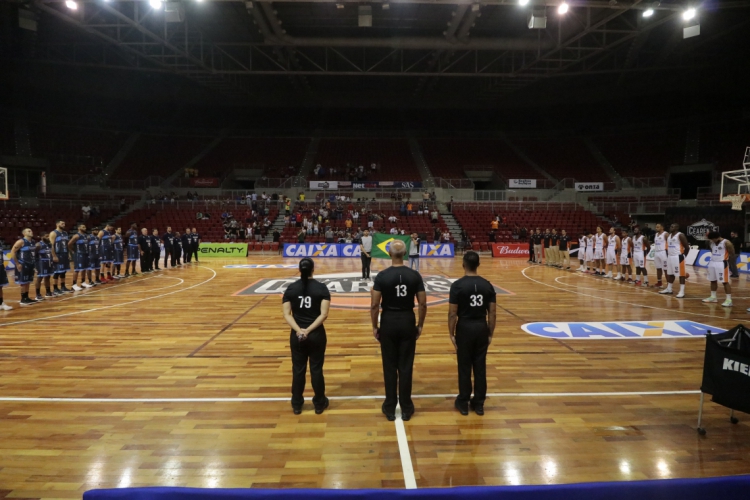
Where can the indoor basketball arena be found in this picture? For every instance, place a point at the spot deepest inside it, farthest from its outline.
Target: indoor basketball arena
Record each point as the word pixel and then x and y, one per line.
pixel 347 248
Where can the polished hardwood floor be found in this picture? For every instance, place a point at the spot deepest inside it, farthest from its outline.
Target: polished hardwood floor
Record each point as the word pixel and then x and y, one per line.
pixel 175 379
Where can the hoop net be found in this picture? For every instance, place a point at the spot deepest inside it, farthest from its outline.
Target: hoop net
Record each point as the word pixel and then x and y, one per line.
pixel 736 200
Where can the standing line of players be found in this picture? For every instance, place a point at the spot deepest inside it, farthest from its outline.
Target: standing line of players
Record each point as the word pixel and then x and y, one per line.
pixel 604 255
pixel 97 257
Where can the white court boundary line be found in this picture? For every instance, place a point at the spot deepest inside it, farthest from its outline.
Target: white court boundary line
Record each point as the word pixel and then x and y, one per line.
pixel 410 481
pixel 85 311
pixel 523 272
pixel 21 399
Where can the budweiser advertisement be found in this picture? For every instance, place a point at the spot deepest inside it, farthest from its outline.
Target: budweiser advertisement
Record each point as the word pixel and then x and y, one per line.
pixel 204 182
pixel 510 250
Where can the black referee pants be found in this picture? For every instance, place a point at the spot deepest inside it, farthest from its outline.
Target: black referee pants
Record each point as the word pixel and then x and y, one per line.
pixel 167 255
pixel 365 266
pixel 398 344
pixel 312 350
pixel 155 254
pixel 194 250
pixel 472 340
pixel 145 261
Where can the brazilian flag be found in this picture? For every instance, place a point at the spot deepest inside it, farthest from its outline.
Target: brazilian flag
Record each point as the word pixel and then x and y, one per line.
pixel 382 241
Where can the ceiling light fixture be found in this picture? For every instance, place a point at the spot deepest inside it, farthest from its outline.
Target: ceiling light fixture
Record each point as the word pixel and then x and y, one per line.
pixel 563 8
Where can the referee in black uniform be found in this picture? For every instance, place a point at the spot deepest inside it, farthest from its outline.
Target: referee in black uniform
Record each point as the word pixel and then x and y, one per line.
pixel 306 303
pixel 397 286
pixel 471 324
pixel 144 244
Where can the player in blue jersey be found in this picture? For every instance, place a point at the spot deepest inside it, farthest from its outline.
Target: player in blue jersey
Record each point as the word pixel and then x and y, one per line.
pixel 22 254
pixel 43 268
pixel 134 252
pixel 94 258
pixel 78 247
pixel 60 257
pixel 119 253
pixel 106 252
pixel 3 283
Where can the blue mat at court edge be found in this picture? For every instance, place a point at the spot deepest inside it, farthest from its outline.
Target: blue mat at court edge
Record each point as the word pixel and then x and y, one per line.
pixel 734 487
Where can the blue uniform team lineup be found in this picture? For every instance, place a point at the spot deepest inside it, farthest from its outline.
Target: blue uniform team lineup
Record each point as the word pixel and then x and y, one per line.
pixel 88 257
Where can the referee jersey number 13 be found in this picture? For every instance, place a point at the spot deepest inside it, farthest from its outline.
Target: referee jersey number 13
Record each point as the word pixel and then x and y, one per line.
pixel 398 287
pixel 473 295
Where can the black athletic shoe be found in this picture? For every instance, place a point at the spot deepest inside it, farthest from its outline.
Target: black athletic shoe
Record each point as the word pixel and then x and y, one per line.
pixel 321 409
pixel 462 409
pixel 27 302
pixel 64 289
pixel 39 298
pixel 390 416
pixel 127 275
pixel 407 416
pixel 49 295
pixel 135 274
pixel 57 292
pixel 297 410
pixel 478 408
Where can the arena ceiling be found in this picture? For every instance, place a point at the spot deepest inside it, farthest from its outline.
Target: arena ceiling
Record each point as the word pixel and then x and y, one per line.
pixel 428 50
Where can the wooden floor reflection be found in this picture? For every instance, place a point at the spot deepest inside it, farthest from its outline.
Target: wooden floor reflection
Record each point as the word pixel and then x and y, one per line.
pixel 184 333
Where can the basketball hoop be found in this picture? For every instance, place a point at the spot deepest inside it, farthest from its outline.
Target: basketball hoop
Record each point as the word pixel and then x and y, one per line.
pixel 736 200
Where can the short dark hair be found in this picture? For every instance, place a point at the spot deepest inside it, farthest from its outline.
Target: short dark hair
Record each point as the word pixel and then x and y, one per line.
pixel 713 235
pixel 471 260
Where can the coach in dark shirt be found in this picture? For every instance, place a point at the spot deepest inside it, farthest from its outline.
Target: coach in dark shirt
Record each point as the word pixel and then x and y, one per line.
pixel 471 324
pixel 195 243
pixel 144 245
pixel 564 244
pixel 187 245
pixel 396 287
pixel 306 304
pixel 176 249
pixel 168 239
pixel 155 249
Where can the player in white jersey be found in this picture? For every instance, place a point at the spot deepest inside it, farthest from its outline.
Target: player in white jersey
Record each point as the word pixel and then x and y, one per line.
pixel 640 247
pixel 589 252
pixel 613 251
pixel 660 253
pixel 626 256
pixel 599 244
pixel 718 267
pixel 582 252
pixel 677 248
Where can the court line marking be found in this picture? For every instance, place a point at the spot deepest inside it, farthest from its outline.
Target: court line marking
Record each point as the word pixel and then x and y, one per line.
pixel 55 316
pixel 181 281
pixel 91 292
pixel 523 272
pixel 640 292
pixel 21 399
pixel 410 482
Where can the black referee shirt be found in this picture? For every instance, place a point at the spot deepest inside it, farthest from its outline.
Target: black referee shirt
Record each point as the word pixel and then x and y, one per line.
pixel 547 237
pixel 536 238
pixel 473 295
pixel 398 287
pixel 305 300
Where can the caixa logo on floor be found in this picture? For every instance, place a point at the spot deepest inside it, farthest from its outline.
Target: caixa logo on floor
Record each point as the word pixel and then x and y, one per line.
pixel 621 330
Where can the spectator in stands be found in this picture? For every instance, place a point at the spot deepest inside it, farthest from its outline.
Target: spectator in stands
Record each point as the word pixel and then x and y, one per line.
pixel 435 217
pixel 436 235
pixel 495 224
pixel 227 229
pixel 329 235
pixel 394 230
pixel 491 236
pixel 317 171
pixel 276 236
pixel 433 196
pixel 737 245
pixel 123 204
pixel 373 167
pixel 450 205
pixel 86 211
pixel 249 232
pixel 446 236
pixel 516 231
pixel 392 219
pixel 523 233
pixel 199 216
pixel 426 196
pixel 301 196
pixel 301 236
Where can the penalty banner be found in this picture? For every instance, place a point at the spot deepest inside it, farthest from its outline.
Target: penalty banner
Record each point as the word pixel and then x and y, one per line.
pixel 223 250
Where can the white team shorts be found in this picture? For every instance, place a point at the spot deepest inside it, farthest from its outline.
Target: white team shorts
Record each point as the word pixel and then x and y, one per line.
pixel 598 254
pixel 639 259
pixel 624 259
pixel 611 257
pixel 660 260
pixel 589 254
pixel 675 265
pixel 718 271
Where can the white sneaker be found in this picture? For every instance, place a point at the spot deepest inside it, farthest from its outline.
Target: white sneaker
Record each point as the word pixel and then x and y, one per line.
pixel 727 303
pixel 5 307
pixel 666 291
pixel 78 288
pixel 711 299
pixel 619 277
pixel 84 285
pixel 680 295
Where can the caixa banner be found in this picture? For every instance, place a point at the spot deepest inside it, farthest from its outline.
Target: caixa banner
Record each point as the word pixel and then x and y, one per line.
pixel 510 250
pixel 223 250
pixel 345 250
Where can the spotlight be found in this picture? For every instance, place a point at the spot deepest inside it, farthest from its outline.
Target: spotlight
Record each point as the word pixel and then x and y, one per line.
pixel 648 12
pixel 688 14
pixel 155 4
pixel 71 5
pixel 523 2
pixel 563 8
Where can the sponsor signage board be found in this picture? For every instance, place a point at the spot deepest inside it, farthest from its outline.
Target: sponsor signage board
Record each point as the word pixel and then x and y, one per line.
pixel 324 185
pixel 621 330
pixel 510 250
pixel 343 250
pixel 589 186
pixel 223 250
pixel 205 182
pixel 522 183
pixel 700 229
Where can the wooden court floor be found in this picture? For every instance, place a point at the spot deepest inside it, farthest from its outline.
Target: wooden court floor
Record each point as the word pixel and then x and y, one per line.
pixel 178 379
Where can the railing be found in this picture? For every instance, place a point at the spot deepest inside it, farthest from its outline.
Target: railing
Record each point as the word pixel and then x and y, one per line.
pixel 68 159
pixel 75 180
pixel 635 207
pixel 518 206
pixel 490 195
pixel 42 203
pixel 279 183
pixel 646 182
pixel 440 182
